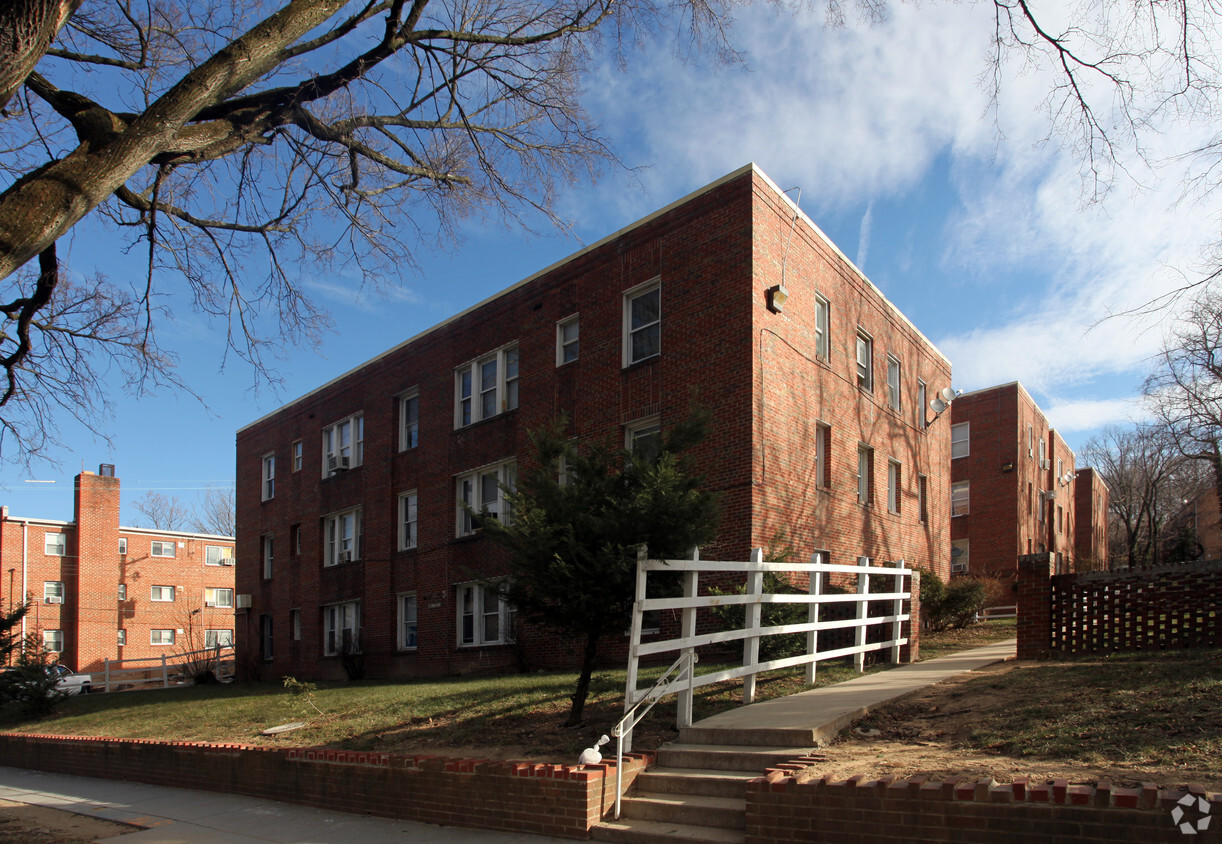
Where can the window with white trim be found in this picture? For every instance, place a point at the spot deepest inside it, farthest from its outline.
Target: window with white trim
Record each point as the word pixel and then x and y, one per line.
pixel 122 638
pixel 1030 441
pixel 218 555
pixel 295 624
pixel 486 387
pixel 960 440
pixel 407 520
pixel 893 382
pixel 959 552
pixel 218 639
pixel 893 486
pixel 409 420
pixel 269 476
pixel 483 491
pixel 408 627
pixel 162 593
pixel 644 436
pixel 484 616
pixel 568 336
pixel 55 544
pixel 342 628
pixel 53 641
pixel 298 453
pixel 159 548
pixel 123 545
pixel 342 537
pixel 121 593
pixel 822 324
pixel 218 596
pixel 642 322
pixel 343 445
pixel 922 394
pixel 52 592
pixel 865 475
pixel 268 548
pixel 865 361
pixel 960 498
pixel 161 637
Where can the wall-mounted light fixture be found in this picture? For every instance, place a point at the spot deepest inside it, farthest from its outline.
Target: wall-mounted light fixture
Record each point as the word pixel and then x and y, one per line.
pixel 940 402
pixel 776 296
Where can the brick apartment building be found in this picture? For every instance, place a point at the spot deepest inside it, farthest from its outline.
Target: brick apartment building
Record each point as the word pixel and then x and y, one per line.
pixel 101 591
pixel 349 499
pixel 1015 489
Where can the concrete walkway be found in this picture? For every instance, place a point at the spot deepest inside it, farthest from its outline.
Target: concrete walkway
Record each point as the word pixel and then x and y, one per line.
pixel 820 713
pixel 184 816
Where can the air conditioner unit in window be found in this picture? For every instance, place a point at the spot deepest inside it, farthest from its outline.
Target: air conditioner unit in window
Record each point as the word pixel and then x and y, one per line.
pixel 1050 495
pixel 343 557
pixel 1045 464
pixel 337 464
pixel 243 602
pixel 226 561
pixel 209 603
pixel 54 600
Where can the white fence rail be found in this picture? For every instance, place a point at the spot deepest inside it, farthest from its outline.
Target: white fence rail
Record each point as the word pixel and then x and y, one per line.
pixel 752 600
pixel 163 671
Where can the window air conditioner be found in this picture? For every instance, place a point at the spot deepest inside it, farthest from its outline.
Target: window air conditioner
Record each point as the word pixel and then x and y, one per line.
pixel 1050 495
pixel 336 463
pixel 343 557
pixel 209 603
pixel 1045 464
pixel 243 602
pixel 226 561
pixel 54 600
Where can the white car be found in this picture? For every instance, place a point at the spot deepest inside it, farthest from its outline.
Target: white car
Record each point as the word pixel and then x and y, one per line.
pixel 71 682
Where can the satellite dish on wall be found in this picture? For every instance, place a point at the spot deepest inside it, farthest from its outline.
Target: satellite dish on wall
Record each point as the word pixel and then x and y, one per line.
pixel 948 394
pixel 937 405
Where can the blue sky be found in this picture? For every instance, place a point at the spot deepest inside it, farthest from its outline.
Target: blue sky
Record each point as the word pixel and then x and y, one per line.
pixel 966 217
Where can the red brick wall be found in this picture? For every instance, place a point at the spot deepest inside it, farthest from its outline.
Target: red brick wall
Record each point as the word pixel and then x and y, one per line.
pixel 1090 525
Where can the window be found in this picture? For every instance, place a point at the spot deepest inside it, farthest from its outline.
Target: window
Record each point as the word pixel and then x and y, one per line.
pixel 218 555
pixel 55 544
pixel 123 545
pixel 822 320
pixel 922 498
pixel 1060 516
pixel 295 540
pixel 53 641
pixel 1030 441
pixel 482 491
pixel 1043 454
pixel 122 638
pixel 486 387
pixel 407 622
pixel 342 534
pixel 122 592
pixel 162 593
pixel 893 382
pixel 960 440
pixel 342 628
pixel 1030 505
pixel 218 639
pixel 865 471
pixel 343 445
pixel 893 486
pixel 642 322
pixel 823 447
pixel 295 624
pixel 409 420
pixel 161 549
pixel 269 476
pixel 1060 468
pixel 161 637
pixel 218 597
pixel 567 347
pixel 958 556
pixel 52 592
pixel 865 361
pixel 484 617
pixel 297 455
pixel 1040 508
pixel 960 493
pixel 266 640
pixel 269 555
pixel 922 393
pixel 407 520
pixel 644 436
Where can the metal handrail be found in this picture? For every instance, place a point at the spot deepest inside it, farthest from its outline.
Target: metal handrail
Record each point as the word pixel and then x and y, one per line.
pixel 652 696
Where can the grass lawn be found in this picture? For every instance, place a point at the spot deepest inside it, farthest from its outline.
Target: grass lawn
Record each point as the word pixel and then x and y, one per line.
pixel 508 715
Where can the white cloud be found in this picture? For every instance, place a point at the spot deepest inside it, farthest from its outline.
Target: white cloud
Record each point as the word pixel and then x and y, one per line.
pixel 863 238
pixel 1078 415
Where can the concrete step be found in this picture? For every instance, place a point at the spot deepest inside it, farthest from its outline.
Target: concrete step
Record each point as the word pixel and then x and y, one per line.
pixel 758 737
pixel 720 757
pixel 629 831
pixel 693 781
pixel 687 809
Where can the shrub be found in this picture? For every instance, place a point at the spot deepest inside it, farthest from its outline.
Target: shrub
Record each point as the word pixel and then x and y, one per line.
pixel 955 605
pixel 29 689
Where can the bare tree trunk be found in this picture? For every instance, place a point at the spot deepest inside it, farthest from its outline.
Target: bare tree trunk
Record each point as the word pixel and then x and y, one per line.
pixel 583 682
pixel 27 28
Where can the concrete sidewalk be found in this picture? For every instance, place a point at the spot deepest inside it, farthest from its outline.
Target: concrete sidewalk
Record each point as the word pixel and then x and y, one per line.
pixel 184 816
pixel 807 717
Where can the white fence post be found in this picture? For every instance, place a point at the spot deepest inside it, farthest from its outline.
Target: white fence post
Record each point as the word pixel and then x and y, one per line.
pixel 897 609
pixel 815 587
pixel 751 625
pixel 634 640
pixel 691 585
pixel 863 603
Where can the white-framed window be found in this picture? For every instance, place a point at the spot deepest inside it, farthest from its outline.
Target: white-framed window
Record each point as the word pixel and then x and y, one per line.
pixel 52 592
pixel 162 593
pixel 343 445
pixel 922 395
pixel 823 444
pixel 865 474
pixel 295 540
pixel 1060 468
pixel 1039 506
pixel 295 624
pixel 409 420
pixel 893 486
pixel 893 382
pixel 483 491
pixel 268 553
pixel 407 520
pixel 266 637
pixel 342 537
pixel 217 596
pixel 123 545
pixel 865 361
pixel 218 639
pixel 823 312
pixel 55 544
pixel 960 498
pixel 1043 453
pixel 959 549
pixel 922 498
pixel 644 436
pixel 218 555
pixel 484 616
pixel 642 322
pixel 1030 440
pixel 568 337
pixel 160 548
pixel 960 440
pixel 161 637
pixel 408 628
pixel 53 641
pixel 486 386
pixel 121 593
pixel 122 638
pixel 269 476
pixel 298 452
pixel 341 628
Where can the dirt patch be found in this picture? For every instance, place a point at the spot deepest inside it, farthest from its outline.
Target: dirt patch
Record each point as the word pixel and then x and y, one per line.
pixel 20 822
pixel 937 732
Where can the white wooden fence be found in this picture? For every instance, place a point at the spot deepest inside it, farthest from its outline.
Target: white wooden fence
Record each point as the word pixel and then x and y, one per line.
pixel 753 600
pixel 161 671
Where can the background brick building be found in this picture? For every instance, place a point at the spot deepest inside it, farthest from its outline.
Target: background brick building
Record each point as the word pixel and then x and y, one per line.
pixel 102 591
pixel 349 523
